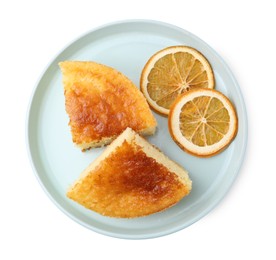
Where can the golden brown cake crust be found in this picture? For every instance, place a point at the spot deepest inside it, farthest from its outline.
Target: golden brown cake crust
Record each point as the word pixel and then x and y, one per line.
pixel 128 184
pixel 101 102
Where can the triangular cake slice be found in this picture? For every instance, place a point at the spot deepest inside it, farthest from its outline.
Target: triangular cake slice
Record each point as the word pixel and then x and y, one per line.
pixel 130 179
pixel 101 103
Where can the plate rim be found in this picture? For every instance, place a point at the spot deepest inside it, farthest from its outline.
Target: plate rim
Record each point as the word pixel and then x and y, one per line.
pixel 175 228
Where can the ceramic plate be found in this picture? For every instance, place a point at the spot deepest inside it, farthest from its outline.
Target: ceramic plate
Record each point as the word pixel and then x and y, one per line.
pixel 126 46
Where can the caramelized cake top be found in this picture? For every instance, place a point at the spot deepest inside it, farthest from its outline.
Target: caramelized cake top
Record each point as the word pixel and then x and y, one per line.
pixel 101 102
pixel 129 183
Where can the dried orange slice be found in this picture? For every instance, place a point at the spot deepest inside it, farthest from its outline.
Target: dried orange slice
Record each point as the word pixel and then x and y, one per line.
pixel 171 72
pixel 203 122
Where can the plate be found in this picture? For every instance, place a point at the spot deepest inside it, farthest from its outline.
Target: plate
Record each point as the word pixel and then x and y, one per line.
pixel 126 46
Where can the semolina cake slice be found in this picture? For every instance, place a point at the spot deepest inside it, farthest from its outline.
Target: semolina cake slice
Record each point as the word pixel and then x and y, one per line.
pixel 131 178
pixel 101 103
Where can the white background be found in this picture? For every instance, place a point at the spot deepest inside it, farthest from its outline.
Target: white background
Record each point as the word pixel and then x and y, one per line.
pixel 241 227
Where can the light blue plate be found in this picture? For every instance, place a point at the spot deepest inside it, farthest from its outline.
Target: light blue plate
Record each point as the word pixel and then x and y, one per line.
pixel 126 46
